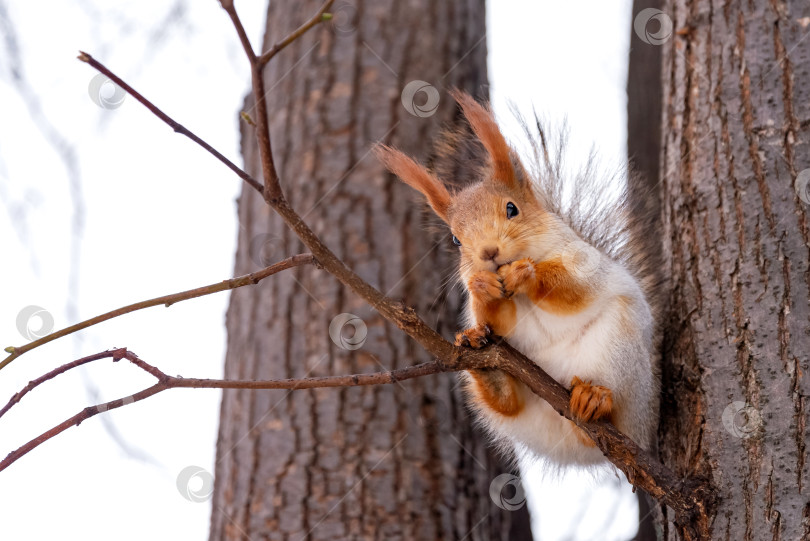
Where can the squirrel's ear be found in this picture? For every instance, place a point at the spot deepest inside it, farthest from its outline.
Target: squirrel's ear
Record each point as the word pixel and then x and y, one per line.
pixel 415 176
pixel 484 125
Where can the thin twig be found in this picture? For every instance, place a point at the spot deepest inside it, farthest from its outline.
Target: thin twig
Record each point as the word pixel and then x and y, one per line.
pixel 229 7
pixel 179 128
pixel 297 33
pixel 165 382
pixel 272 188
pixel 167 300
pixel 53 373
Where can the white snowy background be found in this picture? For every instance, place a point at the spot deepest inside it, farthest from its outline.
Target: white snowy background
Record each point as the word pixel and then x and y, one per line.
pixel 101 208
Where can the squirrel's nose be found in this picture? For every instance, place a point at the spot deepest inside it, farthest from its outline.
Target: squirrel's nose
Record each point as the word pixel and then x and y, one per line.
pixel 489 253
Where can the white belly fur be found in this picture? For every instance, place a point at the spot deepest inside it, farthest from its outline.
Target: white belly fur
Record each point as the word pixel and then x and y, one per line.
pixel 593 345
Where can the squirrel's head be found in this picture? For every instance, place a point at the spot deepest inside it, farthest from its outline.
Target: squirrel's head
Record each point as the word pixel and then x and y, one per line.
pixel 494 221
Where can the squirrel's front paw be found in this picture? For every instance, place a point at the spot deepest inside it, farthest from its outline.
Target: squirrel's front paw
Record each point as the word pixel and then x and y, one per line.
pixel 476 337
pixel 485 286
pixel 517 276
pixel 590 402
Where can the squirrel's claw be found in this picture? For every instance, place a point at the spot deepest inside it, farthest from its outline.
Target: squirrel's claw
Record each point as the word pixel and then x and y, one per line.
pixel 476 337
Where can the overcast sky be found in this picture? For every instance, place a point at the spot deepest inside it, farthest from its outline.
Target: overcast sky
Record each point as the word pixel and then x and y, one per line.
pixel 89 221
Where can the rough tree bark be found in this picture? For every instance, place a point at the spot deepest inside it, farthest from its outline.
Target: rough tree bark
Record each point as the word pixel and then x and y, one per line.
pixel 386 462
pixel 735 136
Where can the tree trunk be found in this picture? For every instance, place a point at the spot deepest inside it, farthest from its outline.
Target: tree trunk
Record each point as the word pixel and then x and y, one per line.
pixel 735 373
pixel 384 462
pixel 644 155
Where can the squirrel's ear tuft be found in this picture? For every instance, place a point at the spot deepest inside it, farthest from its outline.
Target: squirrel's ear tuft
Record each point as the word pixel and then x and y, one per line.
pixel 484 125
pixel 415 176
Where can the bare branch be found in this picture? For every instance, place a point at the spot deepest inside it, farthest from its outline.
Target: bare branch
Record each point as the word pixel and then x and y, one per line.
pixel 228 6
pixel 179 128
pixel 272 187
pixel 300 31
pixel 165 382
pixel 167 300
pixel 688 498
pixel 52 374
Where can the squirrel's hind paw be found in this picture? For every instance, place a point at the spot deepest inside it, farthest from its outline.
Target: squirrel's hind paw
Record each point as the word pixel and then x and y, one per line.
pixel 590 402
pixel 475 337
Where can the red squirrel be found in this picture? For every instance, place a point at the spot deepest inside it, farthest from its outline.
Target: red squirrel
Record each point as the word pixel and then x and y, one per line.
pixel 572 285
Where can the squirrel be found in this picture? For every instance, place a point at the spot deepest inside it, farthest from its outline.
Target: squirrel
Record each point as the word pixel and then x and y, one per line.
pixel 570 281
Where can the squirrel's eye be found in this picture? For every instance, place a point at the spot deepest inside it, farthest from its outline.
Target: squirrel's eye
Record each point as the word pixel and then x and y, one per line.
pixel 456 241
pixel 511 210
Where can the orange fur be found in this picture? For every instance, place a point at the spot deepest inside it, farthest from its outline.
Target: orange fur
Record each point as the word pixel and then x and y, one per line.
pixel 584 438
pixel 497 390
pixel 485 127
pixel 590 402
pixel 417 177
pixel 474 337
pixel 549 284
pixel 485 287
pixel 501 315
pixel 490 304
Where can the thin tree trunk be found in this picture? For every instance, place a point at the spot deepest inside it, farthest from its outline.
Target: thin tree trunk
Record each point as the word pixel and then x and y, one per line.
pixel 736 373
pixel 386 462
